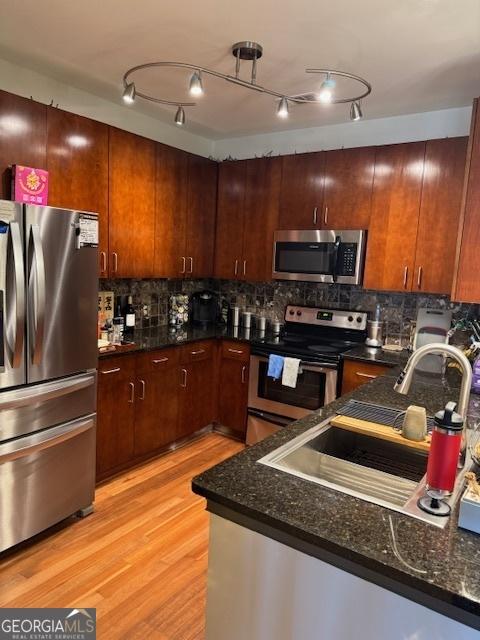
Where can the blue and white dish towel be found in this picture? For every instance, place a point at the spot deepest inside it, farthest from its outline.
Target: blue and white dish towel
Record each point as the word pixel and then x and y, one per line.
pixel 275 366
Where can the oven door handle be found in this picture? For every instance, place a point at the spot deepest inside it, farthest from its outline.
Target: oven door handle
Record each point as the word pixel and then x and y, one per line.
pixel 336 247
pixel 279 421
pixel 303 363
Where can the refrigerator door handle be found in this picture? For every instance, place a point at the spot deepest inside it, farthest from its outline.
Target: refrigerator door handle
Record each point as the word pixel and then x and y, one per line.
pixel 37 394
pixel 23 447
pixel 38 293
pixel 17 254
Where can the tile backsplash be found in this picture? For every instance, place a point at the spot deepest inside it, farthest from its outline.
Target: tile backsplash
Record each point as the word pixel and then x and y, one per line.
pixel 399 310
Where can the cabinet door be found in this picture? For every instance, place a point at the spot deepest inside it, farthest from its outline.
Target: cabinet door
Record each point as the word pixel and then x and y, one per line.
pixel 392 236
pixel 467 283
pixel 230 219
pixel 356 373
pixel 115 413
pixel 348 188
pixel 201 209
pixel 171 209
pixel 23 134
pixel 261 217
pixel 77 161
pixel 156 415
pixel 301 195
pixel 196 398
pixel 131 205
pixel 439 214
pixel 233 395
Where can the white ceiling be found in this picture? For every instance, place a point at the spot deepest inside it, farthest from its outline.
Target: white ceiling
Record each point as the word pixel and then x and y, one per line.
pixel 419 55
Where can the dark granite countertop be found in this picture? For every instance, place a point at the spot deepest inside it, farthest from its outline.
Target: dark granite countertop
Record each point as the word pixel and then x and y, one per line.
pixel 377 355
pixel 439 568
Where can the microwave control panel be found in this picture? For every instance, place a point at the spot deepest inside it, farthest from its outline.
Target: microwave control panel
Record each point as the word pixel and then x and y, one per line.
pixel 347 259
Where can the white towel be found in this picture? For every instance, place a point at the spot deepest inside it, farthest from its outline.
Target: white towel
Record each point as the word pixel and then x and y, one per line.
pixel 290 372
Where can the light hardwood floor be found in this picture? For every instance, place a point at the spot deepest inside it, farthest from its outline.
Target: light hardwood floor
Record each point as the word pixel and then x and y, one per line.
pixel 140 559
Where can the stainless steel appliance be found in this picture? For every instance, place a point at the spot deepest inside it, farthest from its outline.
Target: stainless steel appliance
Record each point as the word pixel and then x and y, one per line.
pixel 48 285
pixel 318 337
pixel 319 256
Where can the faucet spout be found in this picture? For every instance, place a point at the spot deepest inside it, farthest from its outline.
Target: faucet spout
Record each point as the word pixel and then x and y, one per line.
pixel 404 380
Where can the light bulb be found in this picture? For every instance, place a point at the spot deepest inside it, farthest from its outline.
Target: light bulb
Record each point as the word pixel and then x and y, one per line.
pixel 282 109
pixel 355 112
pixel 129 93
pixel 326 90
pixel 196 86
pixel 180 117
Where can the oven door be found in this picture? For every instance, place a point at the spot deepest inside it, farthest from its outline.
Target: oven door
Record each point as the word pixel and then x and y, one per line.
pixel 261 424
pixel 316 387
pixel 319 256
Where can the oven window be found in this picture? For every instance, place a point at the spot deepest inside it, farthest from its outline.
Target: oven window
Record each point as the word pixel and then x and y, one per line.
pixel 308 394
pixel 304 257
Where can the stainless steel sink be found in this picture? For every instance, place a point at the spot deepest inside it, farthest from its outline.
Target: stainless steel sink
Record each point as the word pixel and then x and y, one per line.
pixel 366 467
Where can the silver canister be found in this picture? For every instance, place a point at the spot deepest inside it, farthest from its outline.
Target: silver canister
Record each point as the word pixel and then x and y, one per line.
pixel 235 316
pixel 261 323
pixel 374 333
pixel 247 319
pixel 276 327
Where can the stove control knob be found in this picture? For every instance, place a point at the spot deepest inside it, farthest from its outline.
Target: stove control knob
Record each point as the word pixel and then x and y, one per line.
pixel 350 318
pixel 291 312
pixel 359 319
pixel 299 313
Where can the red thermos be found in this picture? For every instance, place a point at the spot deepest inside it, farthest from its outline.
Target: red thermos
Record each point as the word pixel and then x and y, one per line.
pixel 445 449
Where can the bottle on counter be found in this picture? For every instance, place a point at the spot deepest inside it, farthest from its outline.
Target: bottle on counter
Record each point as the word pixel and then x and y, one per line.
pixel 129 319
pixel 118 326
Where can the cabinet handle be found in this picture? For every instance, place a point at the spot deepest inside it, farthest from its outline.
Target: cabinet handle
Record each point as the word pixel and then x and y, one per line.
pixel 184 264
pixel 160 360
pixel 325 216
pixel 196 353
pixel 315 210
pixel 244 371
pixel 419 278
pixel 132 393
pixel 244 267
pixel 239 351
pixel 184 378
pixel 236 268
pixel 103 262
pixel 115 261
pixel 365 375
pixel 405 277
pixel 142 382
pixel 191 264
pixel 107 371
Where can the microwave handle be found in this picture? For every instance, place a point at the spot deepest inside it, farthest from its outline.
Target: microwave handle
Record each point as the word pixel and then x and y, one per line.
pixel 336 247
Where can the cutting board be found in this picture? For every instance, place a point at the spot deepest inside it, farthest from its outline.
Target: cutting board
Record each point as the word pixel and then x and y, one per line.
pixel 381 431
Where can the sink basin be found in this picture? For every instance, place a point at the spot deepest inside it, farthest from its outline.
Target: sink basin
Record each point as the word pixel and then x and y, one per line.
pixel 375 470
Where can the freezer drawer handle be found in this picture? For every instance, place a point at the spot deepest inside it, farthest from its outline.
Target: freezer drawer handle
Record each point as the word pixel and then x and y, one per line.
pixel 25 397
pixel 37 295
pixel 40 443
pixel 17 254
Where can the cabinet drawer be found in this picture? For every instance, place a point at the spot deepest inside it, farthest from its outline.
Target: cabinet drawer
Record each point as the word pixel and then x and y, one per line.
pixel 202 350
pixel 356 373
pixel 235 350
pixel 119 367
pixel 157 360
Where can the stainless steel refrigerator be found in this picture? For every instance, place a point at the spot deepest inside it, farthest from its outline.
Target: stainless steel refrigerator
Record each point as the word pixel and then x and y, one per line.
pixel 48 361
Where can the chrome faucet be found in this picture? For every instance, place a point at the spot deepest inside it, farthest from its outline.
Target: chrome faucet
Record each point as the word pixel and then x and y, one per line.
pixel 404 380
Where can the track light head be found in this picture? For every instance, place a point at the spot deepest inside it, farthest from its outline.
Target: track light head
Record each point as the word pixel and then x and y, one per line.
pixel 129 93
pixel 326 90
pixel 180 117
pixel 355 112
pixel 282 109
pixel 196 86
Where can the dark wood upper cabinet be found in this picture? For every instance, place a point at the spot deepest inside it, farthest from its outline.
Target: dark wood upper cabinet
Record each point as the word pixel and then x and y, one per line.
pixel 466 285
pixel 262 194
pixel 230 219
pixel 391 243
pixel 132 162
pixel 200 220
pixel 23 135
pixel 301 195
pixel 77 161
pixel 348 188
pixel 171 212
pixel 443 179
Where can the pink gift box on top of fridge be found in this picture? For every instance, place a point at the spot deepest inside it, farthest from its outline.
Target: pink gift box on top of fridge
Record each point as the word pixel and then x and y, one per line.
pixel 29 185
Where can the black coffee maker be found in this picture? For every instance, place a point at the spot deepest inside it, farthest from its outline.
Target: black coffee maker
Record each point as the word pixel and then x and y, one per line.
pixel 204 308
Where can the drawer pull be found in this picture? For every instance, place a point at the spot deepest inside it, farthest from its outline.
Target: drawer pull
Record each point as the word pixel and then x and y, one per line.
pixel 197 353
pixel 239 351
pixel 107 371
pixel 365 375
pixel 244 374
pixel 184 378
pixel 132 393
pixel 160 360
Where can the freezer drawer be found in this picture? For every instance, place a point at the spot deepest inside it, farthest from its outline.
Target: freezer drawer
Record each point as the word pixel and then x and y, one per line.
pixel 44 478
pixel 29 409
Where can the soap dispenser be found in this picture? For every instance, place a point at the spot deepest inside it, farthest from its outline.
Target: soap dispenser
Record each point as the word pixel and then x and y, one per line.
pixel 443 460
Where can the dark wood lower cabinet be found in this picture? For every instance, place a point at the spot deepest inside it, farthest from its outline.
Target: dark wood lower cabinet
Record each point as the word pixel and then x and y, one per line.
pixel 233 392
pixel 197 408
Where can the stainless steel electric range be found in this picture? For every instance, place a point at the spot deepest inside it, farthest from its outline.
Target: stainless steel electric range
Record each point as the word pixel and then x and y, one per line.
pixel 318 337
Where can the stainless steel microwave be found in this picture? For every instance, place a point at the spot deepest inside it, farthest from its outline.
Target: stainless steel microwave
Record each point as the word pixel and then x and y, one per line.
pixel 319 256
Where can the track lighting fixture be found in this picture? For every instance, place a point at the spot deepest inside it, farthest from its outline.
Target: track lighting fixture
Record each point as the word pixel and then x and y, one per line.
pixel 129 93
pixel 180 117
pixel 355 111
pixel 196 86
pixel 282 109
